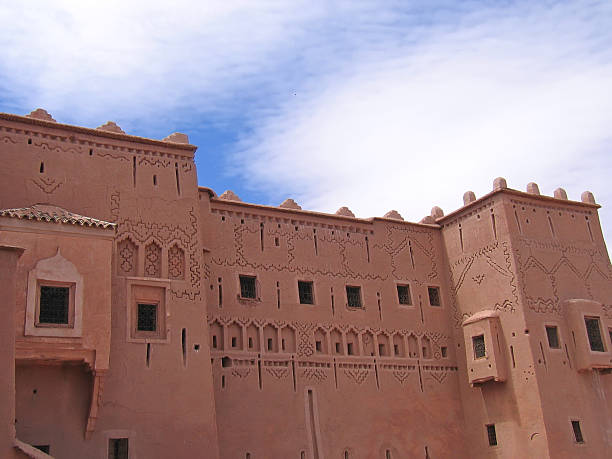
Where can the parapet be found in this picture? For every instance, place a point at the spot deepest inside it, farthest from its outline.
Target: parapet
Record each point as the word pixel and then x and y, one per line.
pixel 229 195
pixel 345 211
pixel 290 204
pixel 111 126
pixel 41 114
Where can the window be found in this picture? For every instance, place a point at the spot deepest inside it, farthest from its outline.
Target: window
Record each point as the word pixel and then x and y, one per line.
pixel 353 296
pixel 479 346
pixel 577 432
pixel 491 435
pixel 434 296
pixel 349 348
pixel 318 346
pixel 553 337
pixel 403 294
pixel 118 448
pixel 594 334
pixel 147 317
pixel 305 290
pixel 248 287
pixel 54 305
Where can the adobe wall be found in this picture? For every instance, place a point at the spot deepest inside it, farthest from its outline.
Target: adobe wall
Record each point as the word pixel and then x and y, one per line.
pixel 149 188
pixel 522 255
pixel 561 255
pixel 285 403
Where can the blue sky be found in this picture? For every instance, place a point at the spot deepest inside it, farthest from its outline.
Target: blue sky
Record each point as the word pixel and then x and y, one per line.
pixel 375 105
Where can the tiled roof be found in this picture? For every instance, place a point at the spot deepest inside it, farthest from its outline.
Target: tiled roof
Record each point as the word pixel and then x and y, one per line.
pixel 49 213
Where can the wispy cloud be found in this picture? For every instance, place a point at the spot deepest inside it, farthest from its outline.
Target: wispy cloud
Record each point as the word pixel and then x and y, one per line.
pixel 374 105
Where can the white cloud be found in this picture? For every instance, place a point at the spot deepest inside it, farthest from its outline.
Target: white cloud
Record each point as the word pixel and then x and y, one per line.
pixel 374 105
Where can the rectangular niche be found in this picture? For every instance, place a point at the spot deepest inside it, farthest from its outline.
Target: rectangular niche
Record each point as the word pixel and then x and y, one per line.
pixel 147 312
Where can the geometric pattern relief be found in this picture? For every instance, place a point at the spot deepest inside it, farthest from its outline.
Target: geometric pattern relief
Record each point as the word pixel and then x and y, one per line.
pixel 176 263
pixel 152 260
pixel 127 254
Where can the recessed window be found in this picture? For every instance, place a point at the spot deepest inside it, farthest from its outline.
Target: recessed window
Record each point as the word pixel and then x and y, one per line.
pixel 349 349
pixel 552 333
pixel 353 296
pixel 577 432
pixel 318 346
pixel 234 341
pixel 214 340
pixel 337 346
pixel 434 296
pixel 250 343
pixel 491 435
pixel 403 294
pixel 270 344
pixel 118 448
pixel 479 346
pixel 305 290
pixel 594 333
pixel 248 287
pixel 54 305
pixel 444 351
pixel 147 317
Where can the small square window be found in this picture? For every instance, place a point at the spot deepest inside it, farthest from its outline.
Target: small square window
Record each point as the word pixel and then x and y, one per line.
pixel 118 448
pixel 403 294
pixel 147 317
pixel 54 305
pixel 434 296
pixel 353 296
pixel 248 287
pixel 305 290
pixel 577 432
pixel 491 435
pixel 553 337
pixel 479 346
pixel 594 334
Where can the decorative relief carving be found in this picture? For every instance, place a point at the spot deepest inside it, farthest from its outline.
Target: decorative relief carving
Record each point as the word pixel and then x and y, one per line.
pixel 152 265
pixel 176 263
pixel 127 253
pixel 241 372
pixel 357 375
pixel 314 375
pixel 278 372
pixel 47 184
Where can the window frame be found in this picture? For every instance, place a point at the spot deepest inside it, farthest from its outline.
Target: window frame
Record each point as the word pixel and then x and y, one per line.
pixel 491 432
pixel 346 292
pixel 312 291
pixel 407 286
pixel 558 335
pixel 71 286
pixel 484 345
pixel 439 293
pixel 255 287
pixel 601 335
pixel 575 439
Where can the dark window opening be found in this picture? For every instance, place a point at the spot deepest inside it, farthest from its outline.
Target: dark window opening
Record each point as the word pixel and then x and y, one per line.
pixel 147 317
pixel 353 296
pixel 318 346
pixel 553 337
pixel 381 350
pixel 54 305
pixel 444 351
pixel 403 294
pixel 30 143
pixel 491 435
pixel 283 344
pixel 117 448
pixel 434 296
pixel 214 341
pixel 250 343
pixel 479 346
pixel 337 348
pixel 270 346
pixel 226 362
pixel 43 448
pixel 234 341
pixel 577 432
pixel 396 349
pixel 42 167
pixel 349 348
pixel 247 287
pixel 305 290
pixel 594 334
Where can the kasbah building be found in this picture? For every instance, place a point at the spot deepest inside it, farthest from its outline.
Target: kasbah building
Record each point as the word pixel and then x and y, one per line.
pixel 146 317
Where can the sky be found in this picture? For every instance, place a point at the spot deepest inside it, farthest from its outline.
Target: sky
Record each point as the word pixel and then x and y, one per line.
pixel 374 105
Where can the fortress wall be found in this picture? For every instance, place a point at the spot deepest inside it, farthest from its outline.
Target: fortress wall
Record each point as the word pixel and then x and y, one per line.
pixel 279 403
pixel 149 188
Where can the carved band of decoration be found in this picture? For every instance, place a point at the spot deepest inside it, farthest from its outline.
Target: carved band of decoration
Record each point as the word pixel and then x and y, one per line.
pixel 469 214
pixel 96 402
pixel 47 185
pixel 152 267
pixel 568 209
pixel 176 263
pixel 74 145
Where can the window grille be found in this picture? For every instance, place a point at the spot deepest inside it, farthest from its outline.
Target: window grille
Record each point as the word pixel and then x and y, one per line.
pixel 403 294
pixel 247 287
pixel 118 448
pixel 553 337
pixel 147 317
pixel 577 432
pixel 491 435
pixel 479 346
pixel 54 305
pixel 353 296
pixel 434 296
pixel 594 334
pixel 305 291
